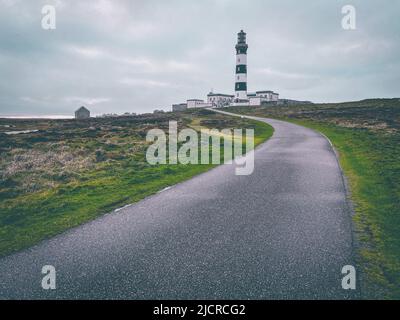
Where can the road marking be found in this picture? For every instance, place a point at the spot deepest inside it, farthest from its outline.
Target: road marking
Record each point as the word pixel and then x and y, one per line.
pixel 119 209
pixel 165 189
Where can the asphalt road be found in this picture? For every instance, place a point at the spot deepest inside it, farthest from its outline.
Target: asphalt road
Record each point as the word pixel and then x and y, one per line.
pixel 283 232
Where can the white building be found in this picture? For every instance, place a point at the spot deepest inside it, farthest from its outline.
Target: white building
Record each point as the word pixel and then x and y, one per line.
pixel 219 100
pixel 268 95
pixel 260 97
pixel 197 103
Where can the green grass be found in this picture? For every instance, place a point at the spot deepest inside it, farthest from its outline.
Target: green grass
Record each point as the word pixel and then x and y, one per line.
pixel 118 177
pixel 367 136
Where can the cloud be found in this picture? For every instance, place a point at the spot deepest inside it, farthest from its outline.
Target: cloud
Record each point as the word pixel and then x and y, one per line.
pixel 285 75
pixel 137 56
pixel 87 100
pixel 144 83
pixel 86 52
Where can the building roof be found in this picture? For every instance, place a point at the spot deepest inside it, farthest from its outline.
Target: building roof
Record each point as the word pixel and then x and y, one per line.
pixel 82 109
pixel 195 100
pixel 265 91
pixel 219 94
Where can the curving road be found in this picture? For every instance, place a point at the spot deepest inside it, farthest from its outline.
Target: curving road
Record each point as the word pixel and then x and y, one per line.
pixel 283 232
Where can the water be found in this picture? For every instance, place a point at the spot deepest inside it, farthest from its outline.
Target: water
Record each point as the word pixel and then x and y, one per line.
pixel 37 117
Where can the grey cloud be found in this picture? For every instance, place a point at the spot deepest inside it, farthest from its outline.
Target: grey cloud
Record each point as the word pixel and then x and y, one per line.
pixel 125 55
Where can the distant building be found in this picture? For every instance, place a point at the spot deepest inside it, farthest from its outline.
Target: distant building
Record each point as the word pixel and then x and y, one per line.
pixel 268 95
pixel 219 100
pixel 197 103
pixel 262 97
pixel 193 103
pixel 289 102
pixel 190 104
pixel 108 115
pixel 82 113
pixel 179 107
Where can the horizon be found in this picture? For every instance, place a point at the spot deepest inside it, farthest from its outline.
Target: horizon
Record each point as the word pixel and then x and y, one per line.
pixel 70 117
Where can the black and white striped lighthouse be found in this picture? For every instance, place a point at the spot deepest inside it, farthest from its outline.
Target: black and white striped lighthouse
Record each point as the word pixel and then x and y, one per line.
pixel 241 67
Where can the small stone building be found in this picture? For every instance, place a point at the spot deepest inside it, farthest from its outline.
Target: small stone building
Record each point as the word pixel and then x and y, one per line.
pixel 82 113
pixel 179 107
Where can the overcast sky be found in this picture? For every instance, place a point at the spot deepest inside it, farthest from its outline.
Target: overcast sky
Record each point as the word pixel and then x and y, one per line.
pixel 137 56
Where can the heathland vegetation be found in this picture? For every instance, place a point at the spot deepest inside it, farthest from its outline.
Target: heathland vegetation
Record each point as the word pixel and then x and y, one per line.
pixel 62 173
pixel 366 135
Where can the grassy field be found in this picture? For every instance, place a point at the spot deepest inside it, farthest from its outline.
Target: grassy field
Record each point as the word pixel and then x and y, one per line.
pixel 367 136
pixel 69 172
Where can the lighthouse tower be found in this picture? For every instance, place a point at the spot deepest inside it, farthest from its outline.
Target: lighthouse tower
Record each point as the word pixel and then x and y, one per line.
pixel 241 68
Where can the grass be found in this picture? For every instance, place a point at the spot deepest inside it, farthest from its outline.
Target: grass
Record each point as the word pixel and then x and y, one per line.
pixel 367 136
pixel 71 172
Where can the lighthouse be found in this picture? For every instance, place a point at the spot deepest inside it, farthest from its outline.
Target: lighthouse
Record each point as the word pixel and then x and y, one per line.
pixel 241 68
